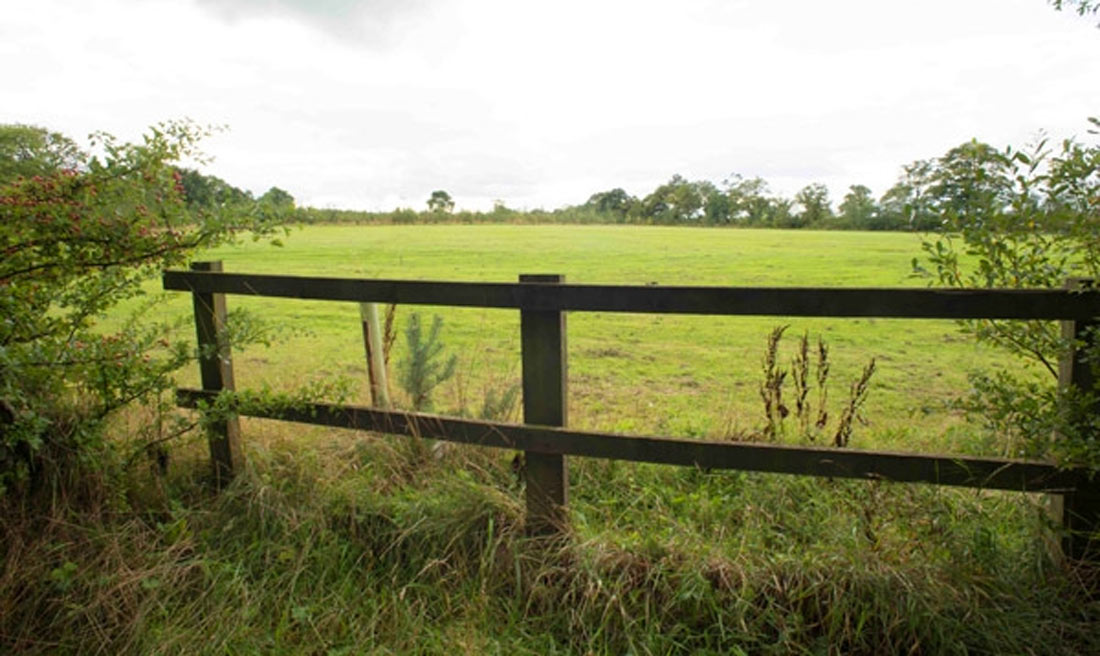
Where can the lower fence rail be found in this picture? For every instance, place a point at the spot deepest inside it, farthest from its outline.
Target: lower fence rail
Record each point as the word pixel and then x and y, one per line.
pixel 829 462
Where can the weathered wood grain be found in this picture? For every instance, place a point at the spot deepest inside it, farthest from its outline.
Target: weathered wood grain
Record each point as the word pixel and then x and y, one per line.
pixel 545 403
pixel 216 369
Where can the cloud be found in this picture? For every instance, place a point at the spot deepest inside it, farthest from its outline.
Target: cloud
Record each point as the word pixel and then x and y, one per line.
pixel 372 23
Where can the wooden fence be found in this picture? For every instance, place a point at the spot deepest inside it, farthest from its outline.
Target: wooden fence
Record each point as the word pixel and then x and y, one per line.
pixel 543 301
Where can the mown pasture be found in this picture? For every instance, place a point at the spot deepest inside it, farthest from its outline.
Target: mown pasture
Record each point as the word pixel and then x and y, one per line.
pixel 675 375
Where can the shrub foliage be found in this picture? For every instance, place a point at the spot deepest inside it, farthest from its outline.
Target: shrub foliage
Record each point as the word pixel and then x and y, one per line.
pixel 77 239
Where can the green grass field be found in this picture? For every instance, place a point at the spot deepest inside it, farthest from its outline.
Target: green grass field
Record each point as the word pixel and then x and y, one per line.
pixel 676 375
pixel 337 542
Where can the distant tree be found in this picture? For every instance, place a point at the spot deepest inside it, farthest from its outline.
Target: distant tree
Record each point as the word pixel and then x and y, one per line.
pixel 858 209
pixel 27 151
pixel 615 202
pixel 717 207
pixel 908 204
pixel 816 209
pixel 750 202
pixel 440 202
pixel 278 198
pixel 971 177
pixel 202 191
pixel 676 201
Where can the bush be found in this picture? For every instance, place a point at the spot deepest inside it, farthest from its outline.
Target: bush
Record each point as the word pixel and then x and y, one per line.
pixel 78 240
pixel 1022 219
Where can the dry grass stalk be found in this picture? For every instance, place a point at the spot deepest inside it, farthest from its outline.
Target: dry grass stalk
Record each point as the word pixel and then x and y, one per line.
pixel 855 401
pixel 800 374
pixel 389 331
pixel 822 384
pixel 771 390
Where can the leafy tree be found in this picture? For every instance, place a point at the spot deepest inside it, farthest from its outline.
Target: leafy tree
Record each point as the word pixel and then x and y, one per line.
pixel 816 208
pixel 278 198
pixel 780 213
pixel 907 203
pixel 717 207
pixel 971 177
pixel 676 201
pixel 440 202
pixel 1028 219
pixel 615 202
pixel 209 192
pixel 77 240
pixel 858 209
pixel 27 151
pixel 750 201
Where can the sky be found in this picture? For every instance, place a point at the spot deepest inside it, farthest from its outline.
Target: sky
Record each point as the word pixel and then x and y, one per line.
pixel 373 104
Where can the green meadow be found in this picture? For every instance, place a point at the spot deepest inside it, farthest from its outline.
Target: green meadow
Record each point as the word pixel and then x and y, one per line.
pixel 635 373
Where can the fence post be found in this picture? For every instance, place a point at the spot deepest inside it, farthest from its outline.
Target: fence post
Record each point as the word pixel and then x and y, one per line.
pixel 545 394
pixel 216 366
pixel 376 358
pixel 1079 511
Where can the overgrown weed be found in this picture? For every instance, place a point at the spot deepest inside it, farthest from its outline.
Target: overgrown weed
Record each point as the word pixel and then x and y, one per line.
pixel 810 413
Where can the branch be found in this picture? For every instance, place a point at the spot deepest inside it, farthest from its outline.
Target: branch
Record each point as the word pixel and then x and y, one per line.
pixel 1026 349
pixel 160 440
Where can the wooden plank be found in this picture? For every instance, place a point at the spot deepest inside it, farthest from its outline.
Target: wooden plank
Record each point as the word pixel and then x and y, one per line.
pixel 545 394
pixel 1079 511
pixel 764 301
pixel 961 471
pixel 216 368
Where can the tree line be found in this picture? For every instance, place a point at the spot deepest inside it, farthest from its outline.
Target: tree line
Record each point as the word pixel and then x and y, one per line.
pixel 972 173
pixel 924 193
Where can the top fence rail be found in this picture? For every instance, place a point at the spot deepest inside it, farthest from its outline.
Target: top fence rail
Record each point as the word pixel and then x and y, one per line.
pixel 762 301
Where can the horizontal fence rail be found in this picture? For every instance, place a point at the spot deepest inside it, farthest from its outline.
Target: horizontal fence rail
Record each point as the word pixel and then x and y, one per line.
pixel 543 301
pixel 762 301
pixel 828 462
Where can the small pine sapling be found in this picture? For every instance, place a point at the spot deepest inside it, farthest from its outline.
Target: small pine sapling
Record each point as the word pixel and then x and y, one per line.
pixel 424 366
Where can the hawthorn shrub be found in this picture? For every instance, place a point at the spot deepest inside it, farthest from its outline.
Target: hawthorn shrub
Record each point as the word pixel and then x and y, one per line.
pixel 76 241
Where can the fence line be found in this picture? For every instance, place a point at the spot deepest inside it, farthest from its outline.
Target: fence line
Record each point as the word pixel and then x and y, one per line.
pixel 543 301
pixel 901 303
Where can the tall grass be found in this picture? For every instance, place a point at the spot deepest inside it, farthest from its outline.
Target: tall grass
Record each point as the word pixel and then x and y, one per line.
pixel 333 543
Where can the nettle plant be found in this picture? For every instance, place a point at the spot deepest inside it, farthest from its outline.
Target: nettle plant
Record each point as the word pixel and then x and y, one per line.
pixel 76 241
pixel 1022 219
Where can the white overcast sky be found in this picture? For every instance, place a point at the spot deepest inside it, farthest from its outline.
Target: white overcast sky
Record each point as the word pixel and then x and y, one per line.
pixel 372 104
